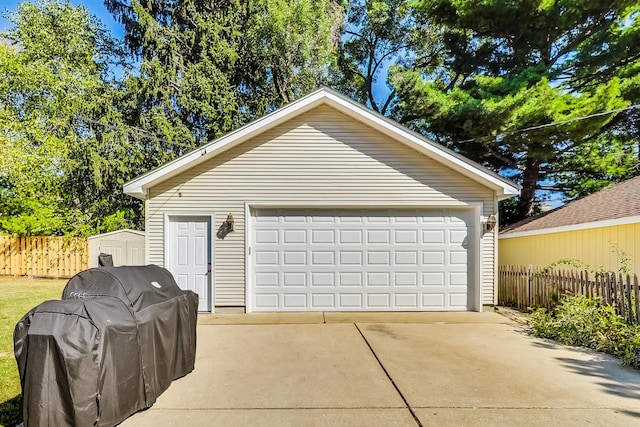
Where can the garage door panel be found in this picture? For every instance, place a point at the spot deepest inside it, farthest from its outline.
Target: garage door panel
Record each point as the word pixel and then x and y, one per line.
pixel 458 257
pixel 378 300
pixel 323 301
pixel 350 257
pixel 322 258
pixel 322 219
pixel 457 237
pixel 406 219
pixel 349 279
pixel 296 301
pixel 458 219
pixel 293 237
pixel 406 279
pixel 267 301
pixel 267 279
pixel 350 219
pixel 378 237
pixel 322 279
pixel 267 236
pixel 458 279
pixel 350 301
pixel 405 237
pixel 378 258
pixel 293 258
pixel 294 279
pixel 350 237
pixel 433 258
pixel 379 278
pixel 378 219
pixel 406 301
pixel 434 216
pixel 267 258
pixel 433 237
pixel 322 237
pixel 433 279
pixel 458 300
pixel 433 300
pixel 301 219
pixel 406 258
pixel 360 260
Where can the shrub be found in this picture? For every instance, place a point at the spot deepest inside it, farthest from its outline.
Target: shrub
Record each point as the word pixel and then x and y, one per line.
pixel 582 321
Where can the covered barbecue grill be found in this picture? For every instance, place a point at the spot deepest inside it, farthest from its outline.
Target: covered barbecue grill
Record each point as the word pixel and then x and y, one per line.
pixel 109 348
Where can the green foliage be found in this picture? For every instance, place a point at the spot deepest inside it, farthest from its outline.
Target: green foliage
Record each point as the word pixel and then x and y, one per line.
pixel 72 135
pixel 582 321
pixel 509 66
pixel 64 160
pixel 208 67
pixel 468 74
pixel 378 34
pixel 624 258
pixel 573 262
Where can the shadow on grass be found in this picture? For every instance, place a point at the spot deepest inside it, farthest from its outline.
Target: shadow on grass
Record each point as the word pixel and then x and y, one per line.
pixel 11 412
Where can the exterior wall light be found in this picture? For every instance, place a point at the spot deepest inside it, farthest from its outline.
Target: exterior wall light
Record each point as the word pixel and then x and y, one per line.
pixel 230 223
pixel 490 223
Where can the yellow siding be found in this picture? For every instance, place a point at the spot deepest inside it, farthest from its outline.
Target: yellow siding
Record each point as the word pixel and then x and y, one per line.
pixel 320 157
pixel 594 246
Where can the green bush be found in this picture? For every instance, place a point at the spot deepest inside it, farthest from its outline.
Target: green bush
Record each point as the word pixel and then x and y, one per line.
pixel 586 322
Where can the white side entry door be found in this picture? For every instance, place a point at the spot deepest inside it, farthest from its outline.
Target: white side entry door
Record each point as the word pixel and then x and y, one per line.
pixel 189 256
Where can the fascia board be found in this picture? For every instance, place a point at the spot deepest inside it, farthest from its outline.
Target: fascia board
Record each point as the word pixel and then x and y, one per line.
pixel 573 227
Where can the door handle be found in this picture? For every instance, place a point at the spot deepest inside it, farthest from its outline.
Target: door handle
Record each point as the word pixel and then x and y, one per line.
pixel 209 267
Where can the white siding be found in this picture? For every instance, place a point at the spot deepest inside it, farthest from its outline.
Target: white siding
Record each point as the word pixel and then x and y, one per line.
pixel 319 158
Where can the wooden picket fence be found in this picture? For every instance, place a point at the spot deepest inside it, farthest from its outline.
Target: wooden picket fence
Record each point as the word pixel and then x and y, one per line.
pixel 43 256
pixel 523 287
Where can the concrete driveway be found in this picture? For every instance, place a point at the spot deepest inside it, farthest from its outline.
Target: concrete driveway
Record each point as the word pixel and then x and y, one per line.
pixel 414 369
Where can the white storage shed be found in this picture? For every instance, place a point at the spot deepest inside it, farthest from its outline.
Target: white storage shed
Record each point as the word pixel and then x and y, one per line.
pixel 125 246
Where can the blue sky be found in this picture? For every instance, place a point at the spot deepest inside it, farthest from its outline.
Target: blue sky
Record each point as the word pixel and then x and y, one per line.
pixel 95 7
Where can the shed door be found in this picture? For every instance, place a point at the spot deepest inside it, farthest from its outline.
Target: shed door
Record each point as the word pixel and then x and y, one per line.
pixel 124 252
pixel 189 256
pixel 375 260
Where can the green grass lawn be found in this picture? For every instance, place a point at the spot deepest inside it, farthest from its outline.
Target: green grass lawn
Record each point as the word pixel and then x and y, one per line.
pixel 17 296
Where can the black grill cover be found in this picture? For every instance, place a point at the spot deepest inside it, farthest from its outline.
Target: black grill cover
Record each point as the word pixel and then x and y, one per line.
pixel 109 348
pixel 105 260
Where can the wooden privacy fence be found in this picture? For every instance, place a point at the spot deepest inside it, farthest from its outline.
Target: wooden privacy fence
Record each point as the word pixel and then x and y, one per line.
pixel 524 287
pixel 42 256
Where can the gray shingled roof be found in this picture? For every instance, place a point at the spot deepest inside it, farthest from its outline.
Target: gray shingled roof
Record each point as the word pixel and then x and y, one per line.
pixel 616 201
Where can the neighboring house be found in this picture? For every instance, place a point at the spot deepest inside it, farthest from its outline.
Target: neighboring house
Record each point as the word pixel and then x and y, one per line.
pixel 325 205
pixel 599 230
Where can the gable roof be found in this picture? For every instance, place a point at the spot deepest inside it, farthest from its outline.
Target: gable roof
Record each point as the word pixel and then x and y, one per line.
pixel 504 188
pixel 609 206
pixel 122 230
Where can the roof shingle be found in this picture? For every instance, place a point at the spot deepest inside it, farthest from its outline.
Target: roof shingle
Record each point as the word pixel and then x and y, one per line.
pixel 616 201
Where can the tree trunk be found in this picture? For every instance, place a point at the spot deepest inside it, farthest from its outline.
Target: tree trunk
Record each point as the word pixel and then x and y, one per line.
pixel 530 177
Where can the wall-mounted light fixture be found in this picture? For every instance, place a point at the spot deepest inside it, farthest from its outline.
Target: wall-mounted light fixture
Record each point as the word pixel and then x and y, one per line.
pixel 490 223
pixel 230 223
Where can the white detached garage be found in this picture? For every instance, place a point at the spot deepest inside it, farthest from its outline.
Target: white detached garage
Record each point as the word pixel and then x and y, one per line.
pixel 325 205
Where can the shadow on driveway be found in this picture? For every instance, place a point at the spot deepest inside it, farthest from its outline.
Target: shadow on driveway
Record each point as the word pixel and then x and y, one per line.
pixel 621 382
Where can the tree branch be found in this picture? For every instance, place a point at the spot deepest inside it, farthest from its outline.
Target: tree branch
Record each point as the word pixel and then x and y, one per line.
pixel 391 96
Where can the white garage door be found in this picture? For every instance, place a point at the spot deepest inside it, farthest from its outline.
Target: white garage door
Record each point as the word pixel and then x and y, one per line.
pixel 361 260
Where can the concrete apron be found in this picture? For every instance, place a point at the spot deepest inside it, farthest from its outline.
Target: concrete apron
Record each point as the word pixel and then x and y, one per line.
pixel 404 369
pixel 349 317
